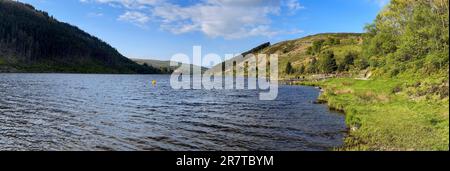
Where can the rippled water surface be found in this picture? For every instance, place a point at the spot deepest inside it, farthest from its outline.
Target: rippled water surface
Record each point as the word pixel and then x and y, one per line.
pixel 125 112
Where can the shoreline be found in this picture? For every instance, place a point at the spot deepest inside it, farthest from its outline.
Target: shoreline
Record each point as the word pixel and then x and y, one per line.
pixel 379 120
pixel 320 100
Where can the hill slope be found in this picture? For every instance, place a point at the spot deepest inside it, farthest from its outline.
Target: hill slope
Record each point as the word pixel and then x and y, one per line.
pixel 33 41
pixel 300 53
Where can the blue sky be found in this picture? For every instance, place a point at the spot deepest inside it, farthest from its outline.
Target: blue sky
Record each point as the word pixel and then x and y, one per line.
pixel 158 29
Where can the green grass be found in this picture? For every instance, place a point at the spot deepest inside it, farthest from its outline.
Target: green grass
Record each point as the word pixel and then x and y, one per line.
pixel 382 119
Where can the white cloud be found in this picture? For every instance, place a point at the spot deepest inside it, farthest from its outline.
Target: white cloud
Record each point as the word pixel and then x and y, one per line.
pixel 127 3
pixel 230 19
pixel 294 5
pixel 95 14
pixel 134 17
pixel 216 18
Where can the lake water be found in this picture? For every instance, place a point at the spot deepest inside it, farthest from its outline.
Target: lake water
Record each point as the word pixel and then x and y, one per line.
pixel 125 112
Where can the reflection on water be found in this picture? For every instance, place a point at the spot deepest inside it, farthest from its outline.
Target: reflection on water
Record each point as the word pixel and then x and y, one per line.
pixel 125 112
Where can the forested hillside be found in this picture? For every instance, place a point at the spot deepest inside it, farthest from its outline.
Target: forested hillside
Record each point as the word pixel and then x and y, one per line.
pixel 33 41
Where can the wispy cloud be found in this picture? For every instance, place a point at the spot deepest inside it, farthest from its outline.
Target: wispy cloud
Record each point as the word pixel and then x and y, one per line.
pixel 127 3
pixel 137 18
pixel 95 14
pixel 230 19
pixel 294 5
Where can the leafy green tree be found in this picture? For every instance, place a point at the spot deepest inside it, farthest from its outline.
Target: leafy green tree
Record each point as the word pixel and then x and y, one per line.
pixel 289 68
pixel 328 62
pixel 409 35
pixel 332 41
pixel 316 47
pixel 301 70
pixel 362 63
pixel 310 51
pixel 342 67
pixel 312 67
pixel 349 60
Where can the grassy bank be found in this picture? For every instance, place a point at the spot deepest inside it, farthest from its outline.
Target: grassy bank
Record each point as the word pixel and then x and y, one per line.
pixel 383 115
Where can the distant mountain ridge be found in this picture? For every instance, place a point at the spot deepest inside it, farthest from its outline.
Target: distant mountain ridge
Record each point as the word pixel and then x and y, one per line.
pixel 33 41
pixel 163 66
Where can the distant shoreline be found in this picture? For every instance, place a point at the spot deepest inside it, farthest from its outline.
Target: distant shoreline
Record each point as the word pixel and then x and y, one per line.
pixel 79 73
